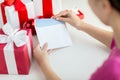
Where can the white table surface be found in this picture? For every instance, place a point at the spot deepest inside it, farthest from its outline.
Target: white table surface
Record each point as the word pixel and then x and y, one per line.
pixel 77 62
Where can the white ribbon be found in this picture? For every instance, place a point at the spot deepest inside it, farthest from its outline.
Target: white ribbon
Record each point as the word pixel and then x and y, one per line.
pixel 12 16
pixel 12 37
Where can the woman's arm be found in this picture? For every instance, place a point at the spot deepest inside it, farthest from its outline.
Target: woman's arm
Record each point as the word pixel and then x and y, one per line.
pixel 41 55
pixel 49 72
pixel 70 17
pixel 102 35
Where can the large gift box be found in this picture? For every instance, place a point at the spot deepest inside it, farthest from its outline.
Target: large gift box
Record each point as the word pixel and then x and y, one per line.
pixel 16 12
pixel 46 8
pixel 15 50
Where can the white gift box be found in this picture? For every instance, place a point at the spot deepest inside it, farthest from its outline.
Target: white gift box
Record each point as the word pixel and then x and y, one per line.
pixel 38 6
pixel 12 15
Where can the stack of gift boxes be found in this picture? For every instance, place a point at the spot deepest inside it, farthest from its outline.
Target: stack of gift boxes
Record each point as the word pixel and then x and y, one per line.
pixel 17 26
pixel 16 30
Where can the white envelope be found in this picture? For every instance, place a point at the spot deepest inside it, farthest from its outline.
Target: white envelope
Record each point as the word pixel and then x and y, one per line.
pixel 53 32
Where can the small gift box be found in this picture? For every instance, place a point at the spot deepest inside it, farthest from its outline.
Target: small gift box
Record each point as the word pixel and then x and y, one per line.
pixel 46 8
pixel 15 50
pixel 17 12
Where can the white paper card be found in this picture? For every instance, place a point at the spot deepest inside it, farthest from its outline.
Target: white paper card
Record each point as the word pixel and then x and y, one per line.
pixel 53 32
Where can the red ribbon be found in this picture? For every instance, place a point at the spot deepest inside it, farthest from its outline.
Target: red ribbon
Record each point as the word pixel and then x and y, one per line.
pixel 9 2
pixel 47 9
pixel 22 12
pixel 3 12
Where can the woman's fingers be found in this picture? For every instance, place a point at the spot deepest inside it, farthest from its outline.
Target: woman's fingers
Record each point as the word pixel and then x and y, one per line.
pixel 62 19
pixel 36 51
pixel 65 16
pixel 49 51
pixel 45 47
pixel 61 14
pixel 37 48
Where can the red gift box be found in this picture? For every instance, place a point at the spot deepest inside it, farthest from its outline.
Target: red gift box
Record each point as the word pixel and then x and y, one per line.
pixel 15 50
pixel 24 9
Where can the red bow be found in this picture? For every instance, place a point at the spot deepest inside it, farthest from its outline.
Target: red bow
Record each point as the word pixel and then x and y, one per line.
pixel 30 25
pixel 22 12
pixel 80 15
pixel 9 2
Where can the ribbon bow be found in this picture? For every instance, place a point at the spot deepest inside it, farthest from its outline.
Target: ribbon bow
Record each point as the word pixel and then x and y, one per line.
pixel 9 2
pixel 13 36
pixel 30 25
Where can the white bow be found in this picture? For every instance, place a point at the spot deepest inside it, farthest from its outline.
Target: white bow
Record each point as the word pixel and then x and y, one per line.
pixel 12 36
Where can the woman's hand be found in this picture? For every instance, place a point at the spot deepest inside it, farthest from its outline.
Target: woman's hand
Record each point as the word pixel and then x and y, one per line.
pixel 70 17
pixel 41 54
